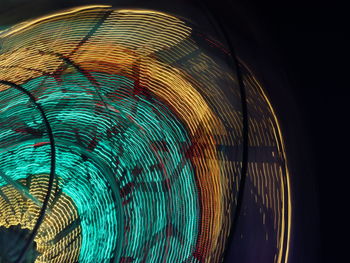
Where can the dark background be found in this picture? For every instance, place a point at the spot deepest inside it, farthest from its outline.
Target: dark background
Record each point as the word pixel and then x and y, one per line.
pixel 298 51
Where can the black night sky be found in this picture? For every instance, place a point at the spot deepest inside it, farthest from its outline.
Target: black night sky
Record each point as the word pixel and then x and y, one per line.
pixel 298 50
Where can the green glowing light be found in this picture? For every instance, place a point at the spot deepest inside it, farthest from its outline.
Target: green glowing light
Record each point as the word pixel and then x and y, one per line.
pixel 119 158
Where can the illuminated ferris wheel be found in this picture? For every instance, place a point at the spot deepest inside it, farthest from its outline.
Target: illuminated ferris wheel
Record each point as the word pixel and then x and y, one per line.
pixel 130 135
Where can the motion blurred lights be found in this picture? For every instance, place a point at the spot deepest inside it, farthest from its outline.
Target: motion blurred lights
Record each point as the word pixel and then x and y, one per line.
pixel 146 117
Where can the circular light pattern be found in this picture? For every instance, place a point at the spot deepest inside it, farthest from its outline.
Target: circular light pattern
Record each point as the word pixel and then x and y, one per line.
pixel 59 238
pixel 122 131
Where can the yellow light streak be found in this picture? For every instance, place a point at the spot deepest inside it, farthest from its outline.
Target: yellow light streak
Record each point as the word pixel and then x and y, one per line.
pixel 289 201
pixel 25 25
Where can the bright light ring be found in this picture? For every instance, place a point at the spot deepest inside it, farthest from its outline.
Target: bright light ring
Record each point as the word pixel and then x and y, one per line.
pixel 19 210
pixel 147 121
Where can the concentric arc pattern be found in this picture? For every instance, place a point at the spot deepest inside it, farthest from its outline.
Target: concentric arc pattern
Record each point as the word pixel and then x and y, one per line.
pixel 146 118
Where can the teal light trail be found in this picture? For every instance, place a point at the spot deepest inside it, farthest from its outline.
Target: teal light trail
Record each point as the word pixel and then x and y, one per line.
pixel 119 158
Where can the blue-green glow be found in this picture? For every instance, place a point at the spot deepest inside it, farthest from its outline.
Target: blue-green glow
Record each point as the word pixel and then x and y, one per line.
pixel 119 158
